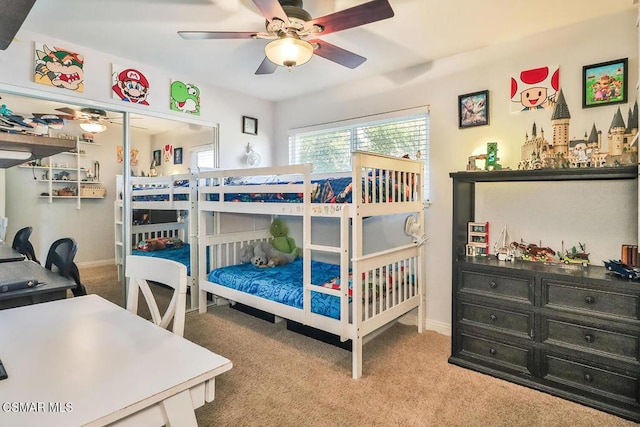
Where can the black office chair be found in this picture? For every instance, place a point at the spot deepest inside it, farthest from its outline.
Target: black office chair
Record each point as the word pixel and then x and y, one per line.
pixel 60 259
pixel 74 273
pixel 22 244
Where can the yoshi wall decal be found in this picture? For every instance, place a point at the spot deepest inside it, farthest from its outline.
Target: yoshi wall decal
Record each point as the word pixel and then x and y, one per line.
pixel 185 97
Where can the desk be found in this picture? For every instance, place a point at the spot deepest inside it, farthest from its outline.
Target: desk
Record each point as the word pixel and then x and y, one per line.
pixel 8 254
pixel 104 364
pixel 54 286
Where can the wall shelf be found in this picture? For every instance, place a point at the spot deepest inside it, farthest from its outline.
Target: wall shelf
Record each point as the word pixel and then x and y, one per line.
pixel 39 146
pixel 70 162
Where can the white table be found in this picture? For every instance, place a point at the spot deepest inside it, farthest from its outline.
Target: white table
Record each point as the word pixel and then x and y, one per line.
pixel 86 361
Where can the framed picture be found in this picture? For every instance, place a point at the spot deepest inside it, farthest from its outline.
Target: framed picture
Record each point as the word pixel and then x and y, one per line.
pixel 157 156
pixel 249 125
pixel 604 83
pixel 177 156
pixel 473 109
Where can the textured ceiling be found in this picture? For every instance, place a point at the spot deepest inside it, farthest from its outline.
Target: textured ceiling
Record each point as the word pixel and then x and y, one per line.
pixel 145 31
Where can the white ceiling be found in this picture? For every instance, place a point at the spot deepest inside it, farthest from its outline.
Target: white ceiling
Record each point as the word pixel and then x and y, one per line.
pixel 145 31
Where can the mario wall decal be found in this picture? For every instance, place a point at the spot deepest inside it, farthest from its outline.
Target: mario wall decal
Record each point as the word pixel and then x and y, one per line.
pixel 130 85
pixel 535 89
pixel 185 97
pixel 58 67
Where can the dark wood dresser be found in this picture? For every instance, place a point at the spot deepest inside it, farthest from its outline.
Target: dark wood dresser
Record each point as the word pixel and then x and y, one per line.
pixel 568 330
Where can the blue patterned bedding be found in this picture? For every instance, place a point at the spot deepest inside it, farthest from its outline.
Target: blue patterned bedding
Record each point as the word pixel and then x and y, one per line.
pixel 181 255
pixel 327 190
pixel 180 183
pixel 282 284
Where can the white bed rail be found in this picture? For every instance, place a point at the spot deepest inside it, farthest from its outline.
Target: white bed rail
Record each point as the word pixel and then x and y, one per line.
pixel 152 231
pixel 162 192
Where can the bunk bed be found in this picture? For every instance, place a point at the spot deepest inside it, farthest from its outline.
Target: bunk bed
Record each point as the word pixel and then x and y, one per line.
pixel 309 291
pixel 164 220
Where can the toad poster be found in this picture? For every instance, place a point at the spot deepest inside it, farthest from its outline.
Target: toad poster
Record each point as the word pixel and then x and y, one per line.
pixel 535 89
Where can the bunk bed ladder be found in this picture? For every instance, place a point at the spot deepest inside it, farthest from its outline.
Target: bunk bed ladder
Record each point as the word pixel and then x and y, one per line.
pixel 343 293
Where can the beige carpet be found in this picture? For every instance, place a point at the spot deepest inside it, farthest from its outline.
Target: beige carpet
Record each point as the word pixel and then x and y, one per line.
pixel 281 378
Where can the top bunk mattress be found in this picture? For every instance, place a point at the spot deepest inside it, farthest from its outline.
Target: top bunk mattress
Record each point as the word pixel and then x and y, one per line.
pixel 324 190
pixel 161 192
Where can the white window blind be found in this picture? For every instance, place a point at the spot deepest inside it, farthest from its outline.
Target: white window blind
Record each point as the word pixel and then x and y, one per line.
pixel 329 146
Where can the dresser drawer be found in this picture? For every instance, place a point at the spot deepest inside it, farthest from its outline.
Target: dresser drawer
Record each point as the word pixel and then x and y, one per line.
pixel 507 321
pixel 507 287
pixel 487 351
pixel 590 300
pixel 590 339
pixel 620 386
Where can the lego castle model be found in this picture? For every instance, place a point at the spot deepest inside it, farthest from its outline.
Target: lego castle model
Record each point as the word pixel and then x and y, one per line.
pixel 538 153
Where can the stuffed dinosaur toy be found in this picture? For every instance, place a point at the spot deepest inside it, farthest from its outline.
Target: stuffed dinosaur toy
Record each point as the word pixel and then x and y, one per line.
pixel 281 240
pixel 263 254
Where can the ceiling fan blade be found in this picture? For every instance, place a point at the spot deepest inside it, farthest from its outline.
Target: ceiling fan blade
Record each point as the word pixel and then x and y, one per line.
pixel 131 126
pixel 70 111
pixel 267 67
pixel 362 14
pixel 209 35
pixel 337 54
pixel 271 9
pixel 14 12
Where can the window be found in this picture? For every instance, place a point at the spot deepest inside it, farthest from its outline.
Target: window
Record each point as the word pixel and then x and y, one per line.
pixel 206 156
pixel 329 146
pixel 204 159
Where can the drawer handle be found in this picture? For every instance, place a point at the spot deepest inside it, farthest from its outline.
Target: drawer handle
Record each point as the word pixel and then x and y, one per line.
pixel 589 338
pixel 493 317
pixel 588 378
pixel 492 351
pixel 493 285
pixel 589 300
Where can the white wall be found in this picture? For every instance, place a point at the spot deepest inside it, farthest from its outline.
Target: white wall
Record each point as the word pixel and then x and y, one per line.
pixel 439 83
pixel 92 225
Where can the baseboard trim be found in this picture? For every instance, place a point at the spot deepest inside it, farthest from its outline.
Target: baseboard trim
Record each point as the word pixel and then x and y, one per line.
pixel 440 327
pixel 98 263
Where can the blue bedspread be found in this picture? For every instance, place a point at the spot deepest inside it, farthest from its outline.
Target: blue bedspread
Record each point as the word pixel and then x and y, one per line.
pixel 328 190
pixel 181 255
pixel 282 284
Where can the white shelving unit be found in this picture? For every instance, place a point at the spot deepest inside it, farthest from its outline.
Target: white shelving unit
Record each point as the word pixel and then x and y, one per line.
pixel 65 176
pixel 119 244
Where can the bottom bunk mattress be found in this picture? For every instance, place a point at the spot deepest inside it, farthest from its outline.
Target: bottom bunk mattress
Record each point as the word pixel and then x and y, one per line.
pixel 283 284
pixel 180 254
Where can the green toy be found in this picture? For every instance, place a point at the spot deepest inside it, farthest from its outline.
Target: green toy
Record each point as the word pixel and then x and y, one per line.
pixel 281 241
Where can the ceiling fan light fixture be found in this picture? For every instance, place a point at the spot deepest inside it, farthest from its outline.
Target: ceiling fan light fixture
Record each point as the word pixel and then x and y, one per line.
pixel 92 126
pixel 15 155
pixel 289 51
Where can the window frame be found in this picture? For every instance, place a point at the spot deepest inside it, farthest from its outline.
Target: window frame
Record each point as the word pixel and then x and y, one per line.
pixel 371 120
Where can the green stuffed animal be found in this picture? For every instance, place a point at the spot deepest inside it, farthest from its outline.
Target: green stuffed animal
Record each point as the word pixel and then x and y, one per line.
pixel 281 241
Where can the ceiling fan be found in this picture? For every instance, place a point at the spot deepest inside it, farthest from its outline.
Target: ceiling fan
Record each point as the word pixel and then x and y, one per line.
pixel 92 120
pixel 14 12
pixel 293 31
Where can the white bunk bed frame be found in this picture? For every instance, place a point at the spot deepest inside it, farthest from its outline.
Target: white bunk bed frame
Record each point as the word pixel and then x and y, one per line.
pixel 187 231
pixel 357 320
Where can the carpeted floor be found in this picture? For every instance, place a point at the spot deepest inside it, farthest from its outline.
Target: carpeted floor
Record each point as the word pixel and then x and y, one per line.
pixel 281 378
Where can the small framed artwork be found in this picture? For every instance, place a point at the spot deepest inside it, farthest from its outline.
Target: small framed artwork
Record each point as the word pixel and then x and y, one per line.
pixel 249 125
pixel 473 109
pixel 604 83
pixel 157 156
pixel 177 156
